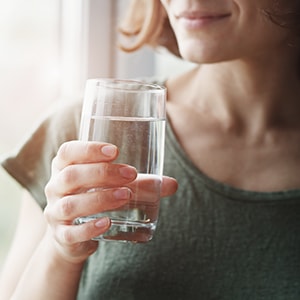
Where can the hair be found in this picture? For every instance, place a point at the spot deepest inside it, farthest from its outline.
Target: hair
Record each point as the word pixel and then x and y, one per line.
pixel 146 23
pixel 285 17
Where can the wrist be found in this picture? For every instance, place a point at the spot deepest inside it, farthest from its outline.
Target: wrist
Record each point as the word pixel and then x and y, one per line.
pixel 63 256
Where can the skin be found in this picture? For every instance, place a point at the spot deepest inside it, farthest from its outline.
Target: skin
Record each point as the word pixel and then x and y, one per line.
pixel 236 118
pixel 240 113
pixel 61 247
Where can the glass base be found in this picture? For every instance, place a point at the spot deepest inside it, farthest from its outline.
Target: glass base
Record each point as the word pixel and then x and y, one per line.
pixel 124 231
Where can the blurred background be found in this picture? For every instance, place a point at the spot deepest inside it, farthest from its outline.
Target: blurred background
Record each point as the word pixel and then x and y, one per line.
pixel 47 51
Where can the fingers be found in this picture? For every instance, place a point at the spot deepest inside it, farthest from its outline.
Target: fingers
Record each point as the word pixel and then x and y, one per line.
pixel 150 188
pixel 71 207
pixel 80 166
pixel 87 164
pixel 78 152
pixel 169 186
pixel 74 242
pixel 85 181
pixel 79 178
pixel 75 234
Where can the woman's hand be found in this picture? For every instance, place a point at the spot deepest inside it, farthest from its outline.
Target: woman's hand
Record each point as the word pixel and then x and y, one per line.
pixel 80 167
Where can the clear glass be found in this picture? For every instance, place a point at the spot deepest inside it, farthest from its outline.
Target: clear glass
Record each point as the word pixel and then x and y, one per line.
pixel 132 116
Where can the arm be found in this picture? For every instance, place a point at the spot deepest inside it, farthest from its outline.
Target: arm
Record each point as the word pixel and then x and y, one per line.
pixel 32 270
pixel 52 253
pixel 43 263
pixel 30 229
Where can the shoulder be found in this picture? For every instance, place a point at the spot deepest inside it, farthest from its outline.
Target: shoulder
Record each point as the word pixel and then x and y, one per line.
pixel 65 116
pixel 30 162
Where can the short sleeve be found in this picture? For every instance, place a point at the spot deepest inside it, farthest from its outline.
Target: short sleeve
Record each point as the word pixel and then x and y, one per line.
pixel 30 164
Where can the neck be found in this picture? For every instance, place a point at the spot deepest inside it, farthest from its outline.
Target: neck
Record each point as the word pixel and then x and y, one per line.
pixel 242 93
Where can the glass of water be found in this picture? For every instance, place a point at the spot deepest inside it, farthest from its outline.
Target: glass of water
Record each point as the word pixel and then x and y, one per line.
pixel 131 115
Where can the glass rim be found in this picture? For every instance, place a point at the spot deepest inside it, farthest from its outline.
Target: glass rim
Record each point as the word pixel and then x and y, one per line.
pixel 114 82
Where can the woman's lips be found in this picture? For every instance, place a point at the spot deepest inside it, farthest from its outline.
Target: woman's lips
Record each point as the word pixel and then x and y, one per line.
pixel 196 20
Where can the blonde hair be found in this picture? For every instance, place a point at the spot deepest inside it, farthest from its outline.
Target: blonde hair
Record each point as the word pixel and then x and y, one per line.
pixel 146 23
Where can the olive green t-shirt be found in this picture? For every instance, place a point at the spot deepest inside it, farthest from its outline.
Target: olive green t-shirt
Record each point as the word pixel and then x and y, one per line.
pixel 212 241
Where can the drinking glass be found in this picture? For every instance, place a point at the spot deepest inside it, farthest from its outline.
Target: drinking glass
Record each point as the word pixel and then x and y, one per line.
pixel 131 115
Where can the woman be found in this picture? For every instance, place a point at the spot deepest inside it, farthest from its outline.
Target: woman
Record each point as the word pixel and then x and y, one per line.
pixel 232 230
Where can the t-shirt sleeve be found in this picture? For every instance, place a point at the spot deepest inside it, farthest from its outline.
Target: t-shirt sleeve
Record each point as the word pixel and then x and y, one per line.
pixel 30 164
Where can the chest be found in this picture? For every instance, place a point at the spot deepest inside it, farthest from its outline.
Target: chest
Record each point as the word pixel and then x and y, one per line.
pixel 268 162
pixel 205 247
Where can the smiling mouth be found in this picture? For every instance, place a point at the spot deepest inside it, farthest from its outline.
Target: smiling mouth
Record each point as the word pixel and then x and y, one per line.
pixel 193 21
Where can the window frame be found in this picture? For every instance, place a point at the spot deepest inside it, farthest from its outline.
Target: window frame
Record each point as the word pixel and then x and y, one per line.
pixel 89 45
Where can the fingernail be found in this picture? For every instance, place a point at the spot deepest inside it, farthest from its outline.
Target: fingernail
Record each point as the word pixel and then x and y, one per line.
pixel 103 222
pixel 109 150
pixel 122 193
pixel 128 172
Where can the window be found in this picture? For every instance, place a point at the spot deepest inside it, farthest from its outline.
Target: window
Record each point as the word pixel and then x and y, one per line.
pixel 47 51
pixel 29 74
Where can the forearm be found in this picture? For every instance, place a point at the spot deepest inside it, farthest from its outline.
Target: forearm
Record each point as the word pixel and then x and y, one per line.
pixel 48 276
